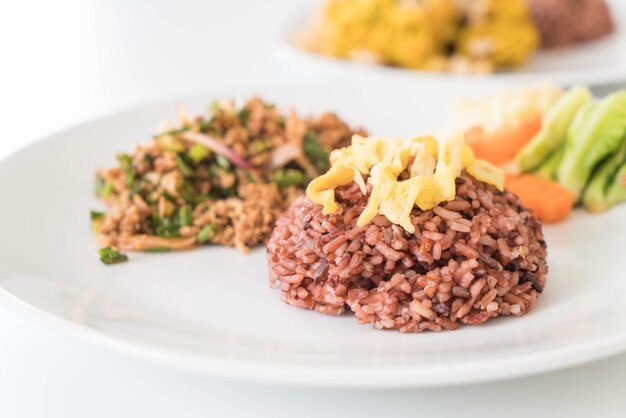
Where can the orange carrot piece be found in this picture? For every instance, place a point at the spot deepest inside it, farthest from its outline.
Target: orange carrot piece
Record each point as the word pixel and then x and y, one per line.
pixel 500 146
pixel 549 201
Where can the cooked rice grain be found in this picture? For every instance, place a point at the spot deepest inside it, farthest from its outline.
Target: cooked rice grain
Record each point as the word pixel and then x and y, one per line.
pixel 469 260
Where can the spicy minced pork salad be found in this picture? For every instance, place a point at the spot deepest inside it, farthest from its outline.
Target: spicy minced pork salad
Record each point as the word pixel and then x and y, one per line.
pixel 221 178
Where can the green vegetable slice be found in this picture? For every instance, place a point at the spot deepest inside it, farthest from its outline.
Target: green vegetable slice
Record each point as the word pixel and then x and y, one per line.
pixel 617 190
pixel 126 164
pixel 553 128
pixel 125 160
pixel 184 216
pixel 243 115
pixel 595 197
pixel 597 132
pixel 550 167
pixel 215 107
pixel 259 145
pixel 223 162
pixel 167 229
pixel 187 192
pixel 96 220
pixel 315 152
pixel 206 233
pixel 110 256
pixel 204 125
pixel 170 143
pixel 197 153
pixel 157 250
pixel 288 177
pixel 104 188
pixel 182 165
pixel 172 132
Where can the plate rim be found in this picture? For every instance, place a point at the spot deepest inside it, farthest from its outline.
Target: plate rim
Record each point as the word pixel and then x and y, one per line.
pixel 598 77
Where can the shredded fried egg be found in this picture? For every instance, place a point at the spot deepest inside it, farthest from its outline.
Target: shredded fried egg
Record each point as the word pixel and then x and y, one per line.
pixel 432 166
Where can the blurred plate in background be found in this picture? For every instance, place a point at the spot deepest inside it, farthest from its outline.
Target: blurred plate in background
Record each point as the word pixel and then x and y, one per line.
pixel 595 63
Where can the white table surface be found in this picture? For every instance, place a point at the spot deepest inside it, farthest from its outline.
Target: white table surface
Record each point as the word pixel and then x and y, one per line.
pixel 64 62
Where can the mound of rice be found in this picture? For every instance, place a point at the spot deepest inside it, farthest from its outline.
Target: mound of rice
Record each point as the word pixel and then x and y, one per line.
pixel 477 257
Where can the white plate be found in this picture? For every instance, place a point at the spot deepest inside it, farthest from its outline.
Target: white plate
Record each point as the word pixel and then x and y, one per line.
pixel 596 63
pixel 211 310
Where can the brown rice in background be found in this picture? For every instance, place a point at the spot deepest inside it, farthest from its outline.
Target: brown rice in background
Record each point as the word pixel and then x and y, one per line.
pixel 477 257
pixel 566 22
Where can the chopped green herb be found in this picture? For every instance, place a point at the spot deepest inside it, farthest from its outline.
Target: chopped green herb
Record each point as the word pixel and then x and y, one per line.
pixel 126 163
pixel 206 233
pixel 197 153
pixel 153 197
pixel 288 177
pixel 199 198
pixel 157 250
pixel 96 221
pixel 243 115
pixel 169 197
pixel 222 162
pixel 204 125
pixel 139 186
pixel 172 132
pixel 184 216
pixel 98 185
pixel 315 152
pixel 104 188
pixel 167 229
pixel 187 192
pixel 110 256
pixel 223 193
pixel 170 143
pixel 130 179
pixel 250 177
pixel 155 218
pixel 125 160
pixel 215 107
pixel 230 192
pixel 259 145
pixel 183 166
pixel 214 171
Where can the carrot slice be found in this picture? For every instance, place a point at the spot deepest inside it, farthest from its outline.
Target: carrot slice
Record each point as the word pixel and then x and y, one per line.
pixel 549 201
pixel 500 145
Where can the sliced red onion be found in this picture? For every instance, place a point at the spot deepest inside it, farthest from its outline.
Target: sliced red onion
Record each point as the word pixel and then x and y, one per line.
pixel 218 147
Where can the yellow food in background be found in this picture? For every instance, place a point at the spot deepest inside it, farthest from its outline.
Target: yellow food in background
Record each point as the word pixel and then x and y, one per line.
pixel 432 165
pixel 506 36
pixel 462 35
pixel 406 34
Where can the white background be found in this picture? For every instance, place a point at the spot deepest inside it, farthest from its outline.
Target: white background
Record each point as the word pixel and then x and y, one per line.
pixel 65 62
